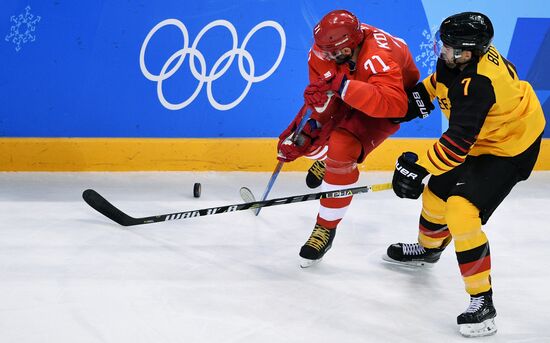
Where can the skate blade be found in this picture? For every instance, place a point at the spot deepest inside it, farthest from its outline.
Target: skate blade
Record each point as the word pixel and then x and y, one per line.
pixel 410 264
pixel 305 263
pixel 487 328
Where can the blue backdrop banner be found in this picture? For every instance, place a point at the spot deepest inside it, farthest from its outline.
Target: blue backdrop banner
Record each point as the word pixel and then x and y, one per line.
pixel 208 69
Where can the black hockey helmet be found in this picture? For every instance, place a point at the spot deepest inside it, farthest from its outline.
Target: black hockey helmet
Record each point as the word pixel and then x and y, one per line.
pixel 470 31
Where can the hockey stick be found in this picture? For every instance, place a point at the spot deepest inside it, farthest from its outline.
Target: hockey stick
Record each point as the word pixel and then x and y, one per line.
pixel 103 206
pixel 270 184
pixel 306 114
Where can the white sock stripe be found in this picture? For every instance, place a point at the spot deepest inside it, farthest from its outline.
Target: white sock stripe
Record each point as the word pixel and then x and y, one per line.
pixel 332 213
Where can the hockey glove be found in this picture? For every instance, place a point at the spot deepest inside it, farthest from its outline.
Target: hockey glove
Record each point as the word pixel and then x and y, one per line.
pixel 289 148
pixel 315 94
pixel 407 177
pixel 420 104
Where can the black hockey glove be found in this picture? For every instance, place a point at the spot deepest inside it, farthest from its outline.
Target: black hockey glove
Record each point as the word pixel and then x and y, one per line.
pixel 420 104
pixel 407 177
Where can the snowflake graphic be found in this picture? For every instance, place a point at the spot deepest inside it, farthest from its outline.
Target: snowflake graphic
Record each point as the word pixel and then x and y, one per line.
pixel 23 28
pixel 427 58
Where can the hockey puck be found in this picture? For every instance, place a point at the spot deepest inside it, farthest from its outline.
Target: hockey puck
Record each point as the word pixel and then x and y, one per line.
pixel 197 190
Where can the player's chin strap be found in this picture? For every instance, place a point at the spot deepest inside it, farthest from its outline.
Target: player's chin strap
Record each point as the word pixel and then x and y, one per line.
pixel 352 66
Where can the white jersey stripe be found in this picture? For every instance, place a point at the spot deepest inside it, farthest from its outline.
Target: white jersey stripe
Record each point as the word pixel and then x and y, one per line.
pixel 319 153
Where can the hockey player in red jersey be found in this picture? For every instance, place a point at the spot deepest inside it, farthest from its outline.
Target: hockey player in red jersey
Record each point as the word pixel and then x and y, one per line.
pixel 358 76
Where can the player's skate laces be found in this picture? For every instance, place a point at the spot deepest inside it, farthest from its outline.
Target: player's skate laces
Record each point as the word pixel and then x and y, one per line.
pixel 413 249
pixel 315 174
pixel 479 318
pixel 412 254
pixel 317 245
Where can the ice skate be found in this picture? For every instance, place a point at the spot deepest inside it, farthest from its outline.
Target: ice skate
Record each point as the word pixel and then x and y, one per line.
pixel 412 255
pixel 315 174
pixel 479 318
pixel 316 246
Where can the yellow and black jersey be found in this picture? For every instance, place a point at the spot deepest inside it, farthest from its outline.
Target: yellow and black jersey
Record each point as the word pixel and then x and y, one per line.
pixel 490 111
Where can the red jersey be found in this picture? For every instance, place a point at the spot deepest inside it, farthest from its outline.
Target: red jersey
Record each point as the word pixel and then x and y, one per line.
pixel 384 69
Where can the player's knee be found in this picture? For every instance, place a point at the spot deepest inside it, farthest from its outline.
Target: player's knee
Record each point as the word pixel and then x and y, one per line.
pixel 340 167
pixel 462 216
pixel 344 150
pixel 433 207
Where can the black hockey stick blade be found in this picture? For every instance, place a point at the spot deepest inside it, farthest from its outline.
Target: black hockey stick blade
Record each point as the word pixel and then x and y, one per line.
pixel 103 206
pixel 100 204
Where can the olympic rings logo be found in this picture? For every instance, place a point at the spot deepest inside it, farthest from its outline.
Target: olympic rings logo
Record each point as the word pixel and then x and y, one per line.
pixel 217 70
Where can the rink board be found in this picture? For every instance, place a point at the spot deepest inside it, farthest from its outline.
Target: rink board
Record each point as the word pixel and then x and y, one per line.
pixel 157 154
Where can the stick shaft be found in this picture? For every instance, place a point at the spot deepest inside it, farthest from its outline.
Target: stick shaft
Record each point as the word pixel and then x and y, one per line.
pixel 306 114
pixel 270 184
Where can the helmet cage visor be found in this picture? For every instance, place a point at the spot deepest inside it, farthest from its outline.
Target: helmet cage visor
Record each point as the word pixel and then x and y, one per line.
pixel 443 51
pixel 326 55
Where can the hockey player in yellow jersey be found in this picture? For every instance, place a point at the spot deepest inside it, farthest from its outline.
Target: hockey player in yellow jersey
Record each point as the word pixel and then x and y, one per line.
pixel 493 140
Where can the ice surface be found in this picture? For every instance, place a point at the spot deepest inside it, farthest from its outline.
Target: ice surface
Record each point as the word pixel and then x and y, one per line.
pixel 68 274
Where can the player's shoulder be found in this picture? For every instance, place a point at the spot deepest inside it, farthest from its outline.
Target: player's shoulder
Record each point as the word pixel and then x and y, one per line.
pixel 380 42
pixel 377 52
pixel 492 64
